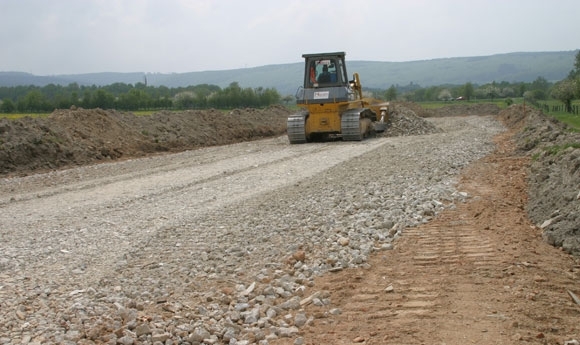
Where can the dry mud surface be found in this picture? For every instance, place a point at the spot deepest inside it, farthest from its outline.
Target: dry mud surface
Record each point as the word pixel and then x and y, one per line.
pixel 440 232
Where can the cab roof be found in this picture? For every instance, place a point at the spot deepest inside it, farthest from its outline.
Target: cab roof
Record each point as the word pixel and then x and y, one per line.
pixel 323 55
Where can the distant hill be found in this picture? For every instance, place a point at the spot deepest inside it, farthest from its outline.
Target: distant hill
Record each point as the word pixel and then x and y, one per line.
pixel 286 78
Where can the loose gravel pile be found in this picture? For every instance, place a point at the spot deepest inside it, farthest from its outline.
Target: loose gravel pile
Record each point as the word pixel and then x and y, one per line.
pixel 215 246
pixel 405 121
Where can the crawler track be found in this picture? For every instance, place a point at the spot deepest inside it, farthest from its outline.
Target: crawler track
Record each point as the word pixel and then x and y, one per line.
pixel 350 125
pixel 296 130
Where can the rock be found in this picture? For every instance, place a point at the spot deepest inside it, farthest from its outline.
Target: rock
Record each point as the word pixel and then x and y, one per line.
pixel 299 256
pixel 310 298
pixel 546 223
pixel 160 337
pixel 252 316
pixel 242 306
pixel 126 340
pixel 20 314
pixel 271 313
pixel 142 329
pixel 291 304
pixel 387 246
pixel 249 290
pixel 230 334
pixel 300 320
pixel 287 332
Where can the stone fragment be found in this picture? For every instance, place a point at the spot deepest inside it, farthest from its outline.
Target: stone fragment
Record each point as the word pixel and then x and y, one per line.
pixel 547 223
pixel 20 314
pixel 291 304
pixel 387 246
pixel 249 290
pixel 335 311
pixel 299 255
pixel 288 332
pixel 309 299
pixel 300 320
pixel 126 340
pixel 142 329
pixel 160 337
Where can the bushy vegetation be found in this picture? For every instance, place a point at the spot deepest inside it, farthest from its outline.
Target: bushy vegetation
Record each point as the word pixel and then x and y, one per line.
pixel 557 98
pixel 120 96
pixel 537 90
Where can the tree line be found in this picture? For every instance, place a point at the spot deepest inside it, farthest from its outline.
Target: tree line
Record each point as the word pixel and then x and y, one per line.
pixel 568 89
pixel 129 97
pixel 539 90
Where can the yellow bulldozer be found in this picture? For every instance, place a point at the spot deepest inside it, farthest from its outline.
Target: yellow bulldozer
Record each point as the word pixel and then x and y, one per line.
pixel 332 105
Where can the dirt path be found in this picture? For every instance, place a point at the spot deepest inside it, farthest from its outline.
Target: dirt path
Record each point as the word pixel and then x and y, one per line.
pixel 478 274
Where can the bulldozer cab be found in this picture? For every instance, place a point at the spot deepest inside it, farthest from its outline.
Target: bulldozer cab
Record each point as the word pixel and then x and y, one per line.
pixel 325 79
pixel 323 70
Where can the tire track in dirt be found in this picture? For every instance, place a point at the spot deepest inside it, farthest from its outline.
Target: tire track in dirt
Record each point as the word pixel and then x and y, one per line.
pixel 429 272
pixel 426 291
pixel 438 283
pixel 479 273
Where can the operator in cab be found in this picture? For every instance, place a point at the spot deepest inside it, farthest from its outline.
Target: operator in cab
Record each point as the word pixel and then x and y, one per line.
pixel 324 77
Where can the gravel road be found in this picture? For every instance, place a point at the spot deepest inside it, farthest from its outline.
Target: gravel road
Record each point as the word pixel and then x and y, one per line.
pixel 214 245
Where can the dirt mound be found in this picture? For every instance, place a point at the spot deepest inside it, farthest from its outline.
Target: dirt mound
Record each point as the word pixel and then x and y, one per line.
pixel 554 178
pixel 416 108
pixel 462 109
pixel 81 136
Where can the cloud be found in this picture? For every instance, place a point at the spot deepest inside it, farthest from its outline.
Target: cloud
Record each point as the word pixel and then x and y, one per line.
pixel 71 36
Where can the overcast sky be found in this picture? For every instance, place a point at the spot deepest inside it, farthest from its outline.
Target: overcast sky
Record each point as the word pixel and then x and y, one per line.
pixel 47 37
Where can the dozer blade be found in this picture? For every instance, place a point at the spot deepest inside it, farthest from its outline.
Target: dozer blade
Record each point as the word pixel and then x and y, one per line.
pixel 379 127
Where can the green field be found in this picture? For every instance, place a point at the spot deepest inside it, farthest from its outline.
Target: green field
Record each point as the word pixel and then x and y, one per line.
pixel 572 120
pixel 14 116
pixel 440 104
